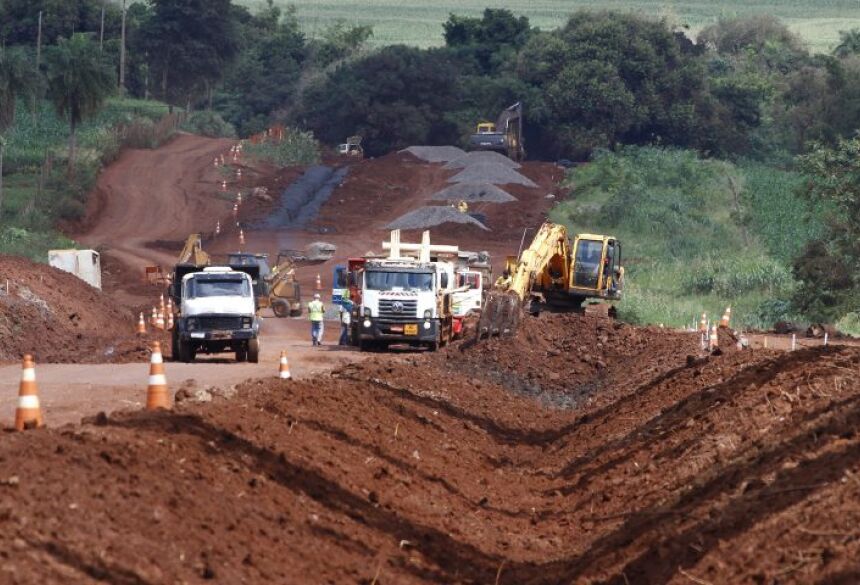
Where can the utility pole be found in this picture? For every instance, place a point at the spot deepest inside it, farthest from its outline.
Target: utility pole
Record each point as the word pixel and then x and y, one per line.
pixel 122 55
pixel 38 64
pixel 102 34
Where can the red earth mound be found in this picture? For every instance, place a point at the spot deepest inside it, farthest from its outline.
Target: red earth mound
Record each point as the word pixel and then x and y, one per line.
pixel 733 468
pixel 59 318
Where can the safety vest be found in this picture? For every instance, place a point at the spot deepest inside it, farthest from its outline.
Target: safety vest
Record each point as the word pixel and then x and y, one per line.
pixel 316 310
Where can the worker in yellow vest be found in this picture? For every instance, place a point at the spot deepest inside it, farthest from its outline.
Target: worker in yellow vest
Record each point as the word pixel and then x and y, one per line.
pixel 316 312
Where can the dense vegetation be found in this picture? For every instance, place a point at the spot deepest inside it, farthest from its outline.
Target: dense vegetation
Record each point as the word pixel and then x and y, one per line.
pixel 745 90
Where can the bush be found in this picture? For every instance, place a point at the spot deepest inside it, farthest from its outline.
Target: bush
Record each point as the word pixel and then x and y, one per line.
pixel 209 123
pixel 850 324
pixel 295 148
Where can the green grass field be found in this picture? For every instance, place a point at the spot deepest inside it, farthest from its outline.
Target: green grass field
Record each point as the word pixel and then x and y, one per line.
pixel 420 23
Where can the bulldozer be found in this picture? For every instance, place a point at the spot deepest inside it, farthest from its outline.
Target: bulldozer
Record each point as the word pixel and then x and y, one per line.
pixel 505 135
pixel 554 272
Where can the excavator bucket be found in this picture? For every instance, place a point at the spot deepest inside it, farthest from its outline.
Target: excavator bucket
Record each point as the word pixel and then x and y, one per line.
pixel 500 315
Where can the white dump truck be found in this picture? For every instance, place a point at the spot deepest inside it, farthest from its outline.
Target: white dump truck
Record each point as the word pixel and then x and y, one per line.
pixel 217 313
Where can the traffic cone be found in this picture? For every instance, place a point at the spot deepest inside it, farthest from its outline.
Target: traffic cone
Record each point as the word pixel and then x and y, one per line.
pixel 161 305
pixel 727 317
pixel 170 321
pixel 235 209
pixel 713 340
pixel 238 171
pixel 284 368
pixel 218 228
pixel 215 162
pixel 153 319
pixel 241 238
pixel 239 198
pixel 224 185
pixel 141 325
pixel 156 391
pixel 159 320
pixel 29 413
pixel 318 283
pixel 703 323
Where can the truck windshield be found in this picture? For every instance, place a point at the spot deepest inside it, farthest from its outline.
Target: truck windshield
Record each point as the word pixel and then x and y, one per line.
pixel 218 287
pixel 378 280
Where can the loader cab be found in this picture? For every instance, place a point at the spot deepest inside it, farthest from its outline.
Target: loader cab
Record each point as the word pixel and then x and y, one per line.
pixel 340 289
pixel 597 265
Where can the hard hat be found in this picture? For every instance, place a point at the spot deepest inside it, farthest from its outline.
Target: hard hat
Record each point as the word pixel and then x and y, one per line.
pixel 316 295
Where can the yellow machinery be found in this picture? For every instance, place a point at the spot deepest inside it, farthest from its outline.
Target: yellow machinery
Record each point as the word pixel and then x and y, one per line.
pixel 505 135
pixel 352 147
pixel 285 295
pixel 192 253
pixel 554 272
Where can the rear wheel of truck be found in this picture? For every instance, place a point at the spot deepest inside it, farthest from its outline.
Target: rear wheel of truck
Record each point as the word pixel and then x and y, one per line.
pixel 186 351
pixel 254 351
pixel 280 308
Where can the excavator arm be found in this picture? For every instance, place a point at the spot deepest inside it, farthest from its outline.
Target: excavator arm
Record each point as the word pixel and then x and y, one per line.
pixel 544 262
pixel 193 251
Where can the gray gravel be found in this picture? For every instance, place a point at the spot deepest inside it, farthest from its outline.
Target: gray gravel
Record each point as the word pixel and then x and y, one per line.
pixel 494 173
pixel 427 217
pixel 435 154
pixel 473 193
pixel 479 157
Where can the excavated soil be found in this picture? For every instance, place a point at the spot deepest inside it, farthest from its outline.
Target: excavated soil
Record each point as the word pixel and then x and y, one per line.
pixel 59 318
pixel 677 467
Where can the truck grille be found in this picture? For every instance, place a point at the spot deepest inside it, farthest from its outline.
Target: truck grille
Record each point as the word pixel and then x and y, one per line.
pixel 398 308
pixel 219 323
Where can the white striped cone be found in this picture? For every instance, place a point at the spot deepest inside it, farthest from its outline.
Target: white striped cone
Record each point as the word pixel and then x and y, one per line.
pixel 239 198
pixel 29 412
pixel 713 340
pixel 318 283
pixel 141 325
pixel 241 238
pixel 156 391
pixel 159 320
pixel 703 324
pixel 727 317
pixel 284 368
pixel 153 319
pixel 218 229
pixel 224 185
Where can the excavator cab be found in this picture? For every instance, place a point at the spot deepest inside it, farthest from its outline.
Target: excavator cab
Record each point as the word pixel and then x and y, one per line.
pixel 597 270
pixel 485 128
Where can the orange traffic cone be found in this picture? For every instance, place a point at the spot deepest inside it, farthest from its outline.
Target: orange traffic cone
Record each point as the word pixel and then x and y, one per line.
pixel 141 325
pixel 703 323
pixel 161 305
pixel 235 209
pixel 318 283
pixel 238 171
pixel 218 228
pixel 241 238
pixel 156 391
pixel 284 368
pixel 713 340
pixel 239 198
pixel 224 185
pixel 29 413
pixel 153 319
pixel 159 320
pixel 727 317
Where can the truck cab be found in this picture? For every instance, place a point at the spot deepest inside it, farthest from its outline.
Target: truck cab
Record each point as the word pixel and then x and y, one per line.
pixel 405 301
pixel 217 314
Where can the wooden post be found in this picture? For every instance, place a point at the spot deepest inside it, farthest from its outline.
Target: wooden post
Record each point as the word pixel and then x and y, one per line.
pixel 122 54
pixel 102 33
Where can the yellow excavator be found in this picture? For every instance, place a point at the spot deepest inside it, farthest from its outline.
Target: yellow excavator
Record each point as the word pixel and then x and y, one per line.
pixel 554 272
pixel 192 253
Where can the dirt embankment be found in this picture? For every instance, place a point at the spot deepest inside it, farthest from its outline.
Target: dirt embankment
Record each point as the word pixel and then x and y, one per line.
pixel 680 467
pixel 59 318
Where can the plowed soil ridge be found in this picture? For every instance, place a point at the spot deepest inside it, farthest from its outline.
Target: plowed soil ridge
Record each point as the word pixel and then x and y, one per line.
pixel 678 467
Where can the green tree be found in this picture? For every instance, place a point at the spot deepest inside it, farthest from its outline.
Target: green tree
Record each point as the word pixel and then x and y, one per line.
pixel 190 43
pixel 849 43
pixel 17 79
pixel 60 19
pixel 830 268
pixel 491 41
pixel 79 81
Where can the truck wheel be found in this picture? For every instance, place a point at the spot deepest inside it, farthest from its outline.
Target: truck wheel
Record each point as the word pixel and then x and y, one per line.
pixel 186 352
pixel 296 312
pixel 254 351
pixel 280 308
pixel 242 355
pixel 174 346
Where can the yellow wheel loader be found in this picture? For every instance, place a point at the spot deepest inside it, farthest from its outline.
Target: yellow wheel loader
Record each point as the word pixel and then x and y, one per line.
pixel 554 272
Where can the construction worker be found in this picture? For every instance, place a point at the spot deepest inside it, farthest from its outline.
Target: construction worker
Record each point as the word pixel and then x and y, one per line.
pixel 316 312
pixel 504 281
pixel 345 319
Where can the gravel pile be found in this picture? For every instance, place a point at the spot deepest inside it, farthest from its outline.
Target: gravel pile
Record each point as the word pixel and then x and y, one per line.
pixel 473 193
pixel 427 217
pixel 480 157
pixel 435 154
pixel 494 173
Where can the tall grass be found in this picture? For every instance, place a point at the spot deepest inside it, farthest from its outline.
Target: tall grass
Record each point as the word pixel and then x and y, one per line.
pixel 698 235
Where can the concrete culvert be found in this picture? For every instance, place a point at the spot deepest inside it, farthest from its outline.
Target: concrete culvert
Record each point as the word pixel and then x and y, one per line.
pixel 494 173
pixel 482 157
pixel 435 154
pixel 427 217
pixel 473 193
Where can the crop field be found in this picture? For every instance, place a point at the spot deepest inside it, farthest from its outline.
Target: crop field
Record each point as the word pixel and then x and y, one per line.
pixel 419 23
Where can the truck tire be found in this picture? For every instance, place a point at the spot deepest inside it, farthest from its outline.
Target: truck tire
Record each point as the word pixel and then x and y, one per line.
pixel 254 351
pixel 186 352
pixel 242 354
pixel 174 346
pixel 280 308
